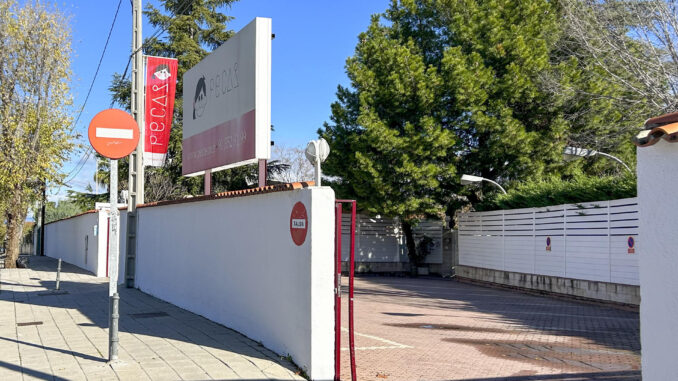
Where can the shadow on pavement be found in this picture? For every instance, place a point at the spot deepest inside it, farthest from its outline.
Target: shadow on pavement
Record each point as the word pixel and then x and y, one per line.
pixel 604 325
pixel 64 351
pixel 30 372
pixel 155 317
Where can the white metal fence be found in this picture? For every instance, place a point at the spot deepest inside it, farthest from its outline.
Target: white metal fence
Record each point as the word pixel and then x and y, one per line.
pixel 593 241
pixel 381 239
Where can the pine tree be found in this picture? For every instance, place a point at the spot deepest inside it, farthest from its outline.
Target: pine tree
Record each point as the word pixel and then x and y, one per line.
pixel 480 86
pixel 389 144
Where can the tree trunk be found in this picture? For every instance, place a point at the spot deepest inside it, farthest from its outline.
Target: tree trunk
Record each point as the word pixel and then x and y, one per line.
pixel 15 229
pixel 411 245
pixel 16 216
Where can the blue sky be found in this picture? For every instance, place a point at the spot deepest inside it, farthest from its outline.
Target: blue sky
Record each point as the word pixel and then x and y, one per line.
pixel 313 40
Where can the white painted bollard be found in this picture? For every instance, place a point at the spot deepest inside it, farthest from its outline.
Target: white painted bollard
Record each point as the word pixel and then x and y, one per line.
pixel 58 276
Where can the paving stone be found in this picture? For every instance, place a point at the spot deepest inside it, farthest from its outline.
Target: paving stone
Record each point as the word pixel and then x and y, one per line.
pixel 72 341
pixel 434 329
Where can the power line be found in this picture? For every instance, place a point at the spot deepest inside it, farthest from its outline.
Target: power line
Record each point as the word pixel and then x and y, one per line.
pixel 155 34
pixel 159 31
pixel 101 59
pixel 86 155
pixel 84 161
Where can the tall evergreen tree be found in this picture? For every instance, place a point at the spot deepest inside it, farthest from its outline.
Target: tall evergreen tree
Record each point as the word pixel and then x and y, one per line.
pixel 389 144
pixel 480 86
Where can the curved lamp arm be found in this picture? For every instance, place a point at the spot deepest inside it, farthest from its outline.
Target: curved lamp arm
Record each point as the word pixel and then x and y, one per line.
pixel 615 159
pixel 495 183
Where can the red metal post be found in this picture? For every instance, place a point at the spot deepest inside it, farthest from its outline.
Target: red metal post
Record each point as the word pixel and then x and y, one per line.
pixel 337 293
pixel 351 338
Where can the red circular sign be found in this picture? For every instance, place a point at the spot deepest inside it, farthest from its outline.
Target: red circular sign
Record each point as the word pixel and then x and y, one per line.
pixel 298 223
pixel 113 133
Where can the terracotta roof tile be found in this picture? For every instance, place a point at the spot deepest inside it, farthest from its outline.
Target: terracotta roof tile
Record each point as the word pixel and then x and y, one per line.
pixel 230 194
pixel 648 137
pixel 661 120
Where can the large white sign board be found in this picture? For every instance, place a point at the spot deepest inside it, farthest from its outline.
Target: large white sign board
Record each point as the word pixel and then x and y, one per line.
pixel 227 103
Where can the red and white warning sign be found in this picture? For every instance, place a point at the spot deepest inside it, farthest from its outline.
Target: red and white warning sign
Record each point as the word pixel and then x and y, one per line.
pixel 299 223
pixel 113 133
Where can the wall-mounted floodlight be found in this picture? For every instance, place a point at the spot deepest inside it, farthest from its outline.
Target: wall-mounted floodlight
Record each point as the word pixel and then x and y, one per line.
pixel 573 153
pixel 468 179
pixel 316 152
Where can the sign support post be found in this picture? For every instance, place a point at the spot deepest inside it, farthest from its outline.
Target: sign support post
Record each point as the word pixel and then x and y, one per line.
pixel 113 239
pixel 208 182
pixel 113 134
pixel 262 172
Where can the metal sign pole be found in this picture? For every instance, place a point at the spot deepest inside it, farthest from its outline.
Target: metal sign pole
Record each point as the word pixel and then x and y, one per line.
pixel 113 240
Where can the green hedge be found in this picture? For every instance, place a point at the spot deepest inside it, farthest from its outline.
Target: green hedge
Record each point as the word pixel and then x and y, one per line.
pixel 534 194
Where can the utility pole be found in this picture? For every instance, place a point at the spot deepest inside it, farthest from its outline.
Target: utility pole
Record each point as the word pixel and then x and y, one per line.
pixel 136 158
pixel 42 219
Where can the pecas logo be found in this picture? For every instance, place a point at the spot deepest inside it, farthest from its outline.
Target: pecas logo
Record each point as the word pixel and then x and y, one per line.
pixel 200 98
pixel 162 72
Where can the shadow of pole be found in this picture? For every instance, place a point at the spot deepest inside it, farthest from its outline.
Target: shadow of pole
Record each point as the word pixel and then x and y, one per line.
pixel 27 371
pixel 65 351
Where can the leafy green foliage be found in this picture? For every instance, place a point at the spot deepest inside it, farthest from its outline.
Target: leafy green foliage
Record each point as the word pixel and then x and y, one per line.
pixel 83 201
pixel 390 147
pixel 491 88
pixel 555 191
pixel 63 209
pixel 35 122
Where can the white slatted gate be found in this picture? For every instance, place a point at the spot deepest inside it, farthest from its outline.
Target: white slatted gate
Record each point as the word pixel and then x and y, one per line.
pixel 380 239
pixel 592 241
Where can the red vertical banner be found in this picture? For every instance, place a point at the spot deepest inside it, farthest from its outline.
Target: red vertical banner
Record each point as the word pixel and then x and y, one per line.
pixel 161 81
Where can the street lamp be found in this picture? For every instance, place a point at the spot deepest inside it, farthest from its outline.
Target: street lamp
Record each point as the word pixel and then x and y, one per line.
pixel 316 152
pixel 573 153
pixel 468 179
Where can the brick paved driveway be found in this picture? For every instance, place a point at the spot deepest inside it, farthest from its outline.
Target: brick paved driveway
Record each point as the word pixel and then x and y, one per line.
pixel 46 336
pixel 435 329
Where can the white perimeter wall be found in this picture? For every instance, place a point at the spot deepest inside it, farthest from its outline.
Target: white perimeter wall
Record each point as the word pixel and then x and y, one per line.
pixel 589 241
pixel 657 185
pixel 77 241
pixel 234 262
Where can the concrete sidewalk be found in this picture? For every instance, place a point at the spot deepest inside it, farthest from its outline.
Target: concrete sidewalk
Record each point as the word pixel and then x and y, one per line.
pixel 48 336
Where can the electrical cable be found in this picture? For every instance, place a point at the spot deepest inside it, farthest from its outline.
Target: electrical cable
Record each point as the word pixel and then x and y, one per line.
pixel 86 155
pixel 157 32
pixel 101 59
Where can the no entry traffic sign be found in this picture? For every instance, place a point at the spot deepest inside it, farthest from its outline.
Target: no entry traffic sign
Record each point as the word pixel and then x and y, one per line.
pixel 298 223
pixel 113 133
